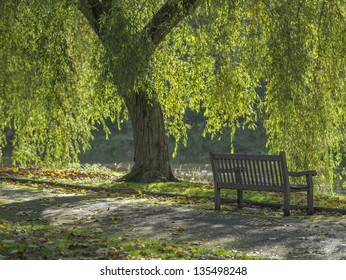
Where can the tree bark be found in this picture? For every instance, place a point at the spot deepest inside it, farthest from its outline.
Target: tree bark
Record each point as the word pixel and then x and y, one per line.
pixel 151 157
pixel 151 150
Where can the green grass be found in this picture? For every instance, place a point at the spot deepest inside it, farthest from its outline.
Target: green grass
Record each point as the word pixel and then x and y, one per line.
pixel 101 178
pixel 34 241
pixel 189 189
pixel 97 176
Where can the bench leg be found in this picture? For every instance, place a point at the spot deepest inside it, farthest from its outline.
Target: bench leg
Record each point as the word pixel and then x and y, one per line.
pixel 310 197
pixel 287 204
pixel 217 198
pixel 240 199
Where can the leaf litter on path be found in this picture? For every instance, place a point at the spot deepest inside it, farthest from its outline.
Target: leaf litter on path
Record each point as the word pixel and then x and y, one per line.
pixel 76 219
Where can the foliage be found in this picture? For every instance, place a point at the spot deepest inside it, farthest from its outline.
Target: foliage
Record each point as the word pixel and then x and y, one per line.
pixel 48 91
pixel 305 101
pixel 58 79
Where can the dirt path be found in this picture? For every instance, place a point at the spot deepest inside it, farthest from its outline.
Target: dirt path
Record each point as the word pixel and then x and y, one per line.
pixel 267 236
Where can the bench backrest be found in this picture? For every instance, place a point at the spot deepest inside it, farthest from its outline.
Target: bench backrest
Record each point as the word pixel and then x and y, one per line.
pixel 252 172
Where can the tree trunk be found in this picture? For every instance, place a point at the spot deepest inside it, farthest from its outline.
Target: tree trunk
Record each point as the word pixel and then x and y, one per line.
pixel 151 150
pixel 151 160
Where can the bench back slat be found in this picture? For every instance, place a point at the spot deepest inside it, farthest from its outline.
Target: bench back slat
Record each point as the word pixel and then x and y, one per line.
pixel 249 171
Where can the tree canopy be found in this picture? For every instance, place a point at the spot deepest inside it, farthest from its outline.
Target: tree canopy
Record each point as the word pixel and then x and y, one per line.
pixel 67 65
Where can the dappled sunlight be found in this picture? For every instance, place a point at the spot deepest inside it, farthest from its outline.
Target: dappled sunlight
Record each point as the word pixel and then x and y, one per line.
pixel 15 193
pixel 251 231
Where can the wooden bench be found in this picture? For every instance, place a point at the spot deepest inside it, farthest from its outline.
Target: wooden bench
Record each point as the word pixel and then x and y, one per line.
pixel 258 173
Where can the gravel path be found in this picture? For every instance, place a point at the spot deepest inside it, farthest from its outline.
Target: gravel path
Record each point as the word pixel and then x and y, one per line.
pixel 320 236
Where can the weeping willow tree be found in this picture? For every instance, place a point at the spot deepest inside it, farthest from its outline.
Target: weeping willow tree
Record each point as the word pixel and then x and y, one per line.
pixel 68 65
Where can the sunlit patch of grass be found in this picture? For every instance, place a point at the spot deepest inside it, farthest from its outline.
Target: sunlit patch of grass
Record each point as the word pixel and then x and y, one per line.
pixel 335 201
pixel 178 188
pixel 95 174
pixel 153 249
pixel 34 241
pixel 191 190
pixel 102 180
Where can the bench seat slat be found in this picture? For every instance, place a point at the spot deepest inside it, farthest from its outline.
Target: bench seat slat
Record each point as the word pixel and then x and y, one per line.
pixel 250 187
pixel 298 187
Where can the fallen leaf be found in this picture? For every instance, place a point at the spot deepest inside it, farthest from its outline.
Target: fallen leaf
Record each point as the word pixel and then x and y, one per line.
pixel 115 218
pixel 180 228
pixel 8 241
pixel 25 213
pixel 183 201
pixel 97 230
pixel 21 249
pixel 101 251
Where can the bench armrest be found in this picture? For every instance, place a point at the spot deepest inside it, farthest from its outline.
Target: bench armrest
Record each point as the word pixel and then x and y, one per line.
pixel 303 173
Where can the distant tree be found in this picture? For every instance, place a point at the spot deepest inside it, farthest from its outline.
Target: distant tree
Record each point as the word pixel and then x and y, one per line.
pixel 69 64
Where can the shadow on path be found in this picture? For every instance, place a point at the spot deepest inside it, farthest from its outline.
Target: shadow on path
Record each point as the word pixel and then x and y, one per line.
pixel 272 236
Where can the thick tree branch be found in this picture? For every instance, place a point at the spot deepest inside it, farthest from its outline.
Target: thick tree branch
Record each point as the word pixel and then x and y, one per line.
pixel 162 23
pixel 93 10
pixel 168 17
